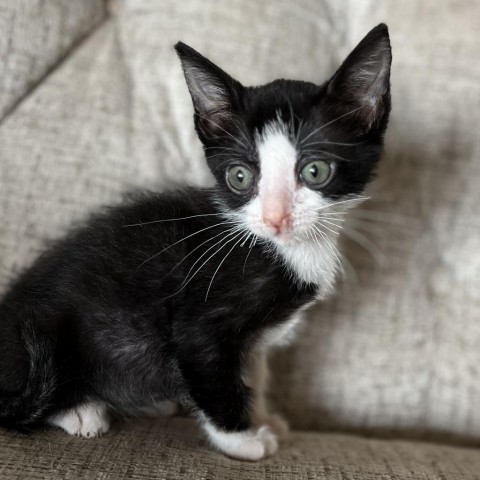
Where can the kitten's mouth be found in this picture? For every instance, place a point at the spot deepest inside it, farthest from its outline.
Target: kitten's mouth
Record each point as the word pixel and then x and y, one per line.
pixel 283 237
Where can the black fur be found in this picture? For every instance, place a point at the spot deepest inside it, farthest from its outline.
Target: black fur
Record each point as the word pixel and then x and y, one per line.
pixel 104 314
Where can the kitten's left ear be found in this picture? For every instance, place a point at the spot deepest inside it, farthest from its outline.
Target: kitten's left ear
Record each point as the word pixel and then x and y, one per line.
pixel 215 95
pixel 362 83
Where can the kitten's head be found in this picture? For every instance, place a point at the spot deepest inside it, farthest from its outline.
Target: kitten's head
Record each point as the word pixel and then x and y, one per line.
pixel 284 153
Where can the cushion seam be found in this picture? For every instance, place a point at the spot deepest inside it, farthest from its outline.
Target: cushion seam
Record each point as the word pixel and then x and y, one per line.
pixel 60 61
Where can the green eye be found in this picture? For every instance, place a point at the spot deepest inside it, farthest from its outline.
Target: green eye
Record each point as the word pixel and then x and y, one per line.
pixel 317 173
pixel 239 177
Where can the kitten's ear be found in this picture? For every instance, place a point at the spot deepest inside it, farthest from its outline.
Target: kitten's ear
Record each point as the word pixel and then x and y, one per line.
pixel 362 83
pixel 215 95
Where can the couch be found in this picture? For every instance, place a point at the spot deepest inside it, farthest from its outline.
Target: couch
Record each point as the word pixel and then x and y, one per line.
pixel 383 381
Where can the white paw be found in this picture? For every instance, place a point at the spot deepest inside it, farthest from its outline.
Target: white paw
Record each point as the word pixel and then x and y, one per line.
pixel 87 420
pixel 247 445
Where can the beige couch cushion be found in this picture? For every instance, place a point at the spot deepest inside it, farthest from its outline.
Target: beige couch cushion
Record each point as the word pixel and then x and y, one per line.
pixel 171 450
pixel 34 36
pixel 398 347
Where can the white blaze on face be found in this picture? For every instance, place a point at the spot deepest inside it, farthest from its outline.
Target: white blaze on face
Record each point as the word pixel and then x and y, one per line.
pixel 277 184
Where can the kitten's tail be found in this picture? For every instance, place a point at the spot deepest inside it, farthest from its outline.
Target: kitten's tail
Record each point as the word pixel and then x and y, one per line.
pixel 24 407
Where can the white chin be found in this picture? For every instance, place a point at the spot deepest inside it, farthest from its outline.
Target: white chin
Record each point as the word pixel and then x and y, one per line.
pixel 283 238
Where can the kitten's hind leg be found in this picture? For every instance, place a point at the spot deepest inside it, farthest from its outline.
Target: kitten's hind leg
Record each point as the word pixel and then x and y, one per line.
pixel 86 420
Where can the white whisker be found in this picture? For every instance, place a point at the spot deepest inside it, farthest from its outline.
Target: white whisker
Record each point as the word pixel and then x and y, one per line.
pixel 328 123
pixel 181 240
pixel 366 243
pixel 319 153
pixel 332 222
pixel 248 254
pixel 223 260
pixel 199 246
pixel 230 155
pixel 349 266
pixel 223 130
pixel 231 232
pixel 329 229
pixel 186 282
pixel 355 201
pixel 329 244
pixel 171 219
pixel 245 241
pixel 311 144
pixel 240 129
pixel 366 225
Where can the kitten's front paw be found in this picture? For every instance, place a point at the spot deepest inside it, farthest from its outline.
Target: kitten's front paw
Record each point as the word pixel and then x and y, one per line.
pixel 247 445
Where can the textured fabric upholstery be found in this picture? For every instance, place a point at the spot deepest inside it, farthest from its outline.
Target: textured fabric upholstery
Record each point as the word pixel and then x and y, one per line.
pixel 170 450
pixel 34 36
pixel 397 348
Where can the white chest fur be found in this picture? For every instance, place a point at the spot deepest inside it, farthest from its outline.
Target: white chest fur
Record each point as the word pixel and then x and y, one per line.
pixel 310 263
pixel 285 333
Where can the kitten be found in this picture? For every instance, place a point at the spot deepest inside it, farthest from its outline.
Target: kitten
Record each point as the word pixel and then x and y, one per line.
pixel 178 296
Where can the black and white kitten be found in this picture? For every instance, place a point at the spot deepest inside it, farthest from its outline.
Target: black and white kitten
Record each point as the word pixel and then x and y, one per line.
pixel 176 297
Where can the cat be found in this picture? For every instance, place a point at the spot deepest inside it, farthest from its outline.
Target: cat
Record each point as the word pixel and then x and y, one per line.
pixel 177 296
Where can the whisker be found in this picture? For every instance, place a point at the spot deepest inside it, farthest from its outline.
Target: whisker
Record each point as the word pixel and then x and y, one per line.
pixel 349 266
pixel 229 159
pixel 337 216
pixel 185 283
pixel 221 128
pixel 240 129
pixel 325 237
pixel 248 254
pixel 319 153
pixel 366 244
pixel 366 225
pixel 181 240
pixel 329 229
pixel 330 222
pixel 230 155
pixel 310 144
pixel 199 246
pixel 381 217
pixel 329 123
pixel 217 147
pixel 309 234
pixel 231 232
pixel 348 200
pixel 328 242
pixel 245 241
pixel 140 224
pixel 221 263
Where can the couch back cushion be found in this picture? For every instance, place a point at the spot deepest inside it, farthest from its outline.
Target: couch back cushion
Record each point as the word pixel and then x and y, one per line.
pixel 35 36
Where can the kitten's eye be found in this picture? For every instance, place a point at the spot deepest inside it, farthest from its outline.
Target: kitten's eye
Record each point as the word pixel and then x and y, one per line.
pixel 239 177
pixel 316 174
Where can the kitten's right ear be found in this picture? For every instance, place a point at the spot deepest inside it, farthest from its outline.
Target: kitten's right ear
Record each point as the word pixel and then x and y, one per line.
pixel 214 93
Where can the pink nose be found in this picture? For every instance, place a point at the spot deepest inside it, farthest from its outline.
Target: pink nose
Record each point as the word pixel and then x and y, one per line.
pixel 280 221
